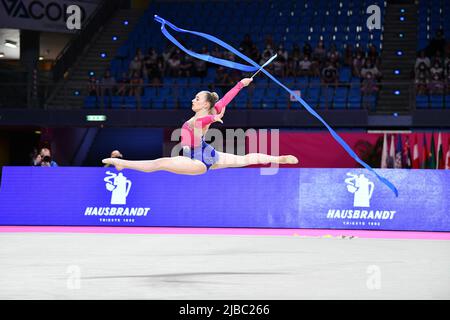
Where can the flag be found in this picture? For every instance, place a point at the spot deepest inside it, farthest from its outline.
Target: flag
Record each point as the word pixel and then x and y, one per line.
pixel 432 159
pixel 384 153
pixel 440 158
pixel 391 156
pixel 424 153
pixel 406 159
pixel 398 153
pixel 416 160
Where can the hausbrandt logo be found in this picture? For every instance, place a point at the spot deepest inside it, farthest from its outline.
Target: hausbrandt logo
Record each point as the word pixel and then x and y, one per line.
pixel 362 190
pixel 120 187
pixel 38 10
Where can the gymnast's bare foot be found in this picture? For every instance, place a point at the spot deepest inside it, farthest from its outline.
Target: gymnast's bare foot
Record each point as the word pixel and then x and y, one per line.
pixel 288 159
pixel 114 162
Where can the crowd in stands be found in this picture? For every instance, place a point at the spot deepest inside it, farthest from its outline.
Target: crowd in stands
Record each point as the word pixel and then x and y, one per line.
pixel 432 67
pixel 307 61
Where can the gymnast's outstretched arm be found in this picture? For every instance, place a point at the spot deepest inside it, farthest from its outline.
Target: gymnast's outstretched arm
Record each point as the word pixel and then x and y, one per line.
pixel 222 103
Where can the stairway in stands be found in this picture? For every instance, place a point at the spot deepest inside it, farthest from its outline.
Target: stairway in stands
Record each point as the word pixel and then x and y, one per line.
pixel 390 101
pixel 90 60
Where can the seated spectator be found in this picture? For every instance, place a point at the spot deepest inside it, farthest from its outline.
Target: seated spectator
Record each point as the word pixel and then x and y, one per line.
pixel 291 68
pixel 369 84
pixel 307 49
pixel 107 86
pixel 422 79
pixel 357 64
pixel 348 55
pixel 436 68
pixel 305 66
pixel 296 54
pixel 421 58
pixel 319 52
pixel 246 44
pixel 268 41
pixel 216 52
pixel 372 54
pixel 123 85
pixel 254 53
pixel 136 82
pixel 150 61
pixel 330 74
pixel 436 85
pixel 135 65
pixel 370 67
pixel 186 65
pixel 266 54
pixel 279 64
pixel 334 56
pixel 44 158
pixel 173 65
pixel 93 87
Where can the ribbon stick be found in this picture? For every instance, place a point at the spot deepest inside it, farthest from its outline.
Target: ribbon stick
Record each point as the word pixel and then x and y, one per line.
pixel 256 67
pixel 265 64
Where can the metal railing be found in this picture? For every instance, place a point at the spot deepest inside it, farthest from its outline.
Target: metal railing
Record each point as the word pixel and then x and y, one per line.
pixel 179 96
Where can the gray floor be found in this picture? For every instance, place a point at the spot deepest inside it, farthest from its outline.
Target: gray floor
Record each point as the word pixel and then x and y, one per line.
pixel 121 266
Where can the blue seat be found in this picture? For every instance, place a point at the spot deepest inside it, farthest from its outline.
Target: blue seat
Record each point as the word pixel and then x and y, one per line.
pixel 422 101
pixel 437 101
pixel 90 102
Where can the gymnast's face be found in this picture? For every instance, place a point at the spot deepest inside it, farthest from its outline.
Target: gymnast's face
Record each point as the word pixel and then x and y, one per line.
pixel 199 102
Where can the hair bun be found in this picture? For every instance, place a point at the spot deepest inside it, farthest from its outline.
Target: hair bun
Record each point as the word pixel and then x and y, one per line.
pixel 215 96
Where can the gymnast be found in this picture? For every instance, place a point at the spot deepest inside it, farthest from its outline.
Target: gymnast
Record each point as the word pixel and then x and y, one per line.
pixel 198 156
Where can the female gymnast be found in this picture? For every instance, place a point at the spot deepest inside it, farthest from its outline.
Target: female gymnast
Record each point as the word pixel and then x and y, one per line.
pixel 198 156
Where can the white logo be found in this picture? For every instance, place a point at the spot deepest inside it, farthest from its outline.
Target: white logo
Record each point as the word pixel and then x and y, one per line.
pixel 362 189
pixel 120 187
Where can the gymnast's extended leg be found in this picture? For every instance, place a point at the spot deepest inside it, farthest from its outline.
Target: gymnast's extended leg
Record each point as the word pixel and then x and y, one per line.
pixel 228 160
pixel 179 164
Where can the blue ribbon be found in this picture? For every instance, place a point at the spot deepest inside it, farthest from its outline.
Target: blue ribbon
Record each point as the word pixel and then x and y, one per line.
pixel 238 66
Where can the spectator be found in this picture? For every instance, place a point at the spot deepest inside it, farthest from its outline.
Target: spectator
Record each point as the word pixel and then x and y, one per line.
pixel 422 59
pixel 216 52
pixel 254 53
pixel 107 86
pixel 307 49
pixel 136 82
pixel 93 86
pixel 186 65
pixel 422 79
pixel 246 44
pixel 372 54
pixel 291 68
pixel 266 54
pixel 348 55
pixel 114 154
pixel 357 64
pixel 330 74
pixel 436 68
pixel 173 65
pixel 370 67
pixel 135 65
pixel 123 85
pixel 305 66
pixel 268 41
pixel 44 158
pixel 200 68
pixel 334 56
pixel 319 53
pixel 436 85
pixel 150 61
pixel 369 84
pixel 279 64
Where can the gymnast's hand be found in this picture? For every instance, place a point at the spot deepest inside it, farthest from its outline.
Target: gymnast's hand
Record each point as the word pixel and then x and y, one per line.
pixel 246 81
